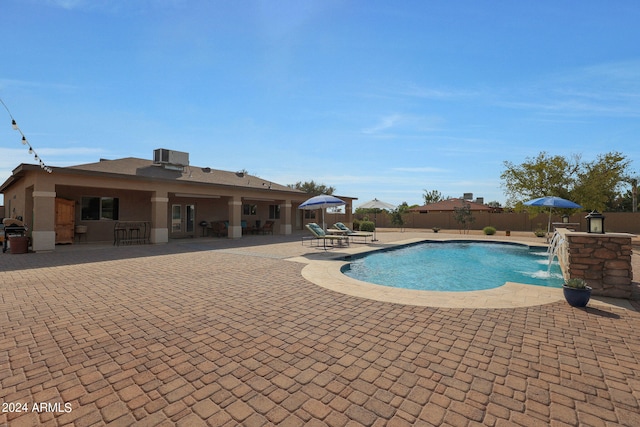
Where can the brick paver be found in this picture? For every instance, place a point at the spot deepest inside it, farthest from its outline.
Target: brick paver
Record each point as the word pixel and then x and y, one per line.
pixel 225 333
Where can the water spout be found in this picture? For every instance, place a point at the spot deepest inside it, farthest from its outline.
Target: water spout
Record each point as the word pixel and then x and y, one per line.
pixel 559 248
pixel 556 243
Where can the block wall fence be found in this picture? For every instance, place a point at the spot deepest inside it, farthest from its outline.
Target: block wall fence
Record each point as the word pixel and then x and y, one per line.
pixel 615 222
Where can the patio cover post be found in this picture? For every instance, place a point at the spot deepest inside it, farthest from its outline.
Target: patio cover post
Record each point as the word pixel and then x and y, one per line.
pixel 285 217
pixel 235 217
pixel 43 234
pixel 159 217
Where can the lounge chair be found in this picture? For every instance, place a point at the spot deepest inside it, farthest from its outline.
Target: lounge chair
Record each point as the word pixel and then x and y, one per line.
pixel 219 228
pixel 267 227
pixel 246 228
pixel 352 234
pixel 319 234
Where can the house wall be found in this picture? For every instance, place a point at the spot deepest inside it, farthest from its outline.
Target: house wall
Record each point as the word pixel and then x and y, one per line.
pixel 32 195
pixel 133 206
pixel 14 201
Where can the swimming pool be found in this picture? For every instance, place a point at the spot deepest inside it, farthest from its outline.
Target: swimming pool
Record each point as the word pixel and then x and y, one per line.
pixel 456 266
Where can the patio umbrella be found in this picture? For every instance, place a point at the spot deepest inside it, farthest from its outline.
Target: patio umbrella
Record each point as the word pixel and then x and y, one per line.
pixel 552 202
pixel 322 201
pixel 376 204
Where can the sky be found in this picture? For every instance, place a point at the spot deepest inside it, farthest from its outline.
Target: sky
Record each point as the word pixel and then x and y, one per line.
pixel 379 99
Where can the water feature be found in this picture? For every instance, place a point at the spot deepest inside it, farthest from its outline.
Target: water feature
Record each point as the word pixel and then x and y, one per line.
pixel 557 250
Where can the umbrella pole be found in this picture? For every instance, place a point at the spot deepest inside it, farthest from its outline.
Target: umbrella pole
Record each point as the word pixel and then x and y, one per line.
pixel 375 226
pixel 324 241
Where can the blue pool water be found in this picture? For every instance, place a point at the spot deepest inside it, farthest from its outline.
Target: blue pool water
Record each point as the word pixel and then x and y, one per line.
pixel 456 266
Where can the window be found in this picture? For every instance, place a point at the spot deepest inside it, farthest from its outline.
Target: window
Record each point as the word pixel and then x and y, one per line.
pixel 249 209
pixel 96 208
pixel 274 211
pixel 309 214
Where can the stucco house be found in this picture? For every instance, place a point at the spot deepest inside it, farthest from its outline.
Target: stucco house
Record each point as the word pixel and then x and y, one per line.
pixel 172 197
pixel 450 205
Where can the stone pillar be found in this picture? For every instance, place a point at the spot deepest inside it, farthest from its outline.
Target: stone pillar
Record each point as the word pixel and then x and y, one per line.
pixel 159 217
pixel 235 217
pixel 286 217
pixel 603 260
pixel 43 235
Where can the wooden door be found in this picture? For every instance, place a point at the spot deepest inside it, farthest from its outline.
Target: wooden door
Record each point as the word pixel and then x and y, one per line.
pixel 65 220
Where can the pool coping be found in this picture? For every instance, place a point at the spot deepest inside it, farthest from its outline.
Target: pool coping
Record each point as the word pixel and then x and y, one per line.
pixel 325 270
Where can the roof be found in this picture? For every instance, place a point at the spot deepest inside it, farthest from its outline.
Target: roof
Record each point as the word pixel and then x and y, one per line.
pixel 450 205
pixel 143 168
pixel 146 169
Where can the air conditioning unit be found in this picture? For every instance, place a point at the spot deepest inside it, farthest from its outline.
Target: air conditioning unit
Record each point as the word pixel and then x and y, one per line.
pixel 162 156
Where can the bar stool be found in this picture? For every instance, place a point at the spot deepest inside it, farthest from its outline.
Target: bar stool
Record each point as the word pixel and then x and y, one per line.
pixel 119 234
pixel 81 230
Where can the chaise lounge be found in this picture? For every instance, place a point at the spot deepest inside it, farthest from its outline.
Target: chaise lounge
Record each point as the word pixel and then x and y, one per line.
pixel 319 234
pixel 352 234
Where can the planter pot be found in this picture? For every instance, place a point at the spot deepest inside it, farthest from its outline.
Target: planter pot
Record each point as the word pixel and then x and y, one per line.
pixel 577 297
pixel 508 233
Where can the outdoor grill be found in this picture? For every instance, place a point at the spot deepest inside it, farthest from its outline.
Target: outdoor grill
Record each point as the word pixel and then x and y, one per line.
pixel 12 228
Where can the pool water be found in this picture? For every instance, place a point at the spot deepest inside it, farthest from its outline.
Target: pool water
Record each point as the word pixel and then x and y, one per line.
pixel 456 266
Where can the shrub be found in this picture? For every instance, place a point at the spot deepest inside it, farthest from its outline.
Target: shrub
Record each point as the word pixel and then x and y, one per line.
pixel 489 231
pixel 356 225
pixel 367 226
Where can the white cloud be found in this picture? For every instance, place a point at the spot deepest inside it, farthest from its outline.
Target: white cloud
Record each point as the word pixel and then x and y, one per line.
pixel 68 4
pixel 414 90
pixel 403 125
pixel 608 89
pixel 423 169
pixel 383 124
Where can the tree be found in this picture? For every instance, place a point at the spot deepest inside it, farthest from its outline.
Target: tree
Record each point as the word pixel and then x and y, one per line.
pixel 433 196
pixel 464 217
pixel 594 185
pixel 599 182
pixel 310 187
pixel 396 215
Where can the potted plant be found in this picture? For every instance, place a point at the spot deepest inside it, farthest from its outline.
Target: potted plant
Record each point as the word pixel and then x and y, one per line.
pixel 540 232
pixel 436 229
pixel 507 233
pixel 576 292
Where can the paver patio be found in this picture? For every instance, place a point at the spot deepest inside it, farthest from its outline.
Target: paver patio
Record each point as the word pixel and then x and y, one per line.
pixel 219 332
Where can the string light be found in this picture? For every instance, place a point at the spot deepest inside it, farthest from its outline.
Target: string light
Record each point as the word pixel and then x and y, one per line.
pixel 24 140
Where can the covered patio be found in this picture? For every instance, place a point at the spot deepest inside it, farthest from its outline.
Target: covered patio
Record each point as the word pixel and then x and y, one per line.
pixel 175 200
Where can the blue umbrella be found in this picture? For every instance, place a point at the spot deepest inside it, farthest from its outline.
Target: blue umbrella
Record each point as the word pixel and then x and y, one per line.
pixel 321 202
pixel 552 202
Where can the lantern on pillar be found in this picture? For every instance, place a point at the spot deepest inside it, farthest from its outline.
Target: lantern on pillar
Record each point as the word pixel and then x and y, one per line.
pixel 595 222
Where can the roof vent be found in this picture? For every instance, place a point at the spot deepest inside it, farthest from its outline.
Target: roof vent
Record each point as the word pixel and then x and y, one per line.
pixel 170 159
